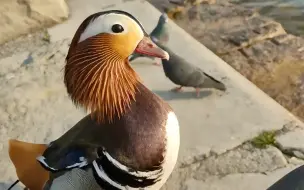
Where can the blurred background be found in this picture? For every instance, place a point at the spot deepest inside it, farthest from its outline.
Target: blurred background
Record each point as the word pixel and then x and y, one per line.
pixel 288 12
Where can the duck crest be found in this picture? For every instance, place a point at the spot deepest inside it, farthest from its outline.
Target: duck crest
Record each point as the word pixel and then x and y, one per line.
pixel 99 80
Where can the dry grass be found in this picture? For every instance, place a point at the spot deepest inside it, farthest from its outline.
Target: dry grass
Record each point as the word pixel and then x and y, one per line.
pixel 285 84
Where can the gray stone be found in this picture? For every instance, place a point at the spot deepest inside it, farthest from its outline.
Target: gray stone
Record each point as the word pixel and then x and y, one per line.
pixel 258 22
pixel 23 43
pixel 280 39
pixel 21 17
pixel 5 186
pixel 295 161
pixel 245 159
pixel 292 142
pixel 240 181
pixel 248 36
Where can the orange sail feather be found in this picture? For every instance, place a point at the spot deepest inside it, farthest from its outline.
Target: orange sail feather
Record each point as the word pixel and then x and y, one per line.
pixel 28 169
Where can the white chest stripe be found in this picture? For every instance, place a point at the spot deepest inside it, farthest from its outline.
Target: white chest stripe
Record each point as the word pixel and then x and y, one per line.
pixel 102 174
pixel 82 162
pixel 149 174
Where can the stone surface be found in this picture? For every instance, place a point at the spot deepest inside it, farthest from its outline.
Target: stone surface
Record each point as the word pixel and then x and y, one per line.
pixel 23 16
pixel 248 181
pixel 292 142
pixel 295 161
pixel 35 107
pixel 23 43
pixel 5 186
pixel 237 169
pixel 244 159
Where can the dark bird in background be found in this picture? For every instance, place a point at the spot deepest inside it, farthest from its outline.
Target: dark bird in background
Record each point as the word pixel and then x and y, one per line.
pixel 184 74
pixel 28 60
pixel 160 33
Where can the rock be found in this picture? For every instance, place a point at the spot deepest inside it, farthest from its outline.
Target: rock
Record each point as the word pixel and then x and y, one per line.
pixel 295 161
pixel 20 17
pixel 236 169
pixel 5 186
pixel 241 181
pixel 23 43
pixel 175 8
pixel 177 179
pixel 245 37
pixel 292 143
pixel 245 159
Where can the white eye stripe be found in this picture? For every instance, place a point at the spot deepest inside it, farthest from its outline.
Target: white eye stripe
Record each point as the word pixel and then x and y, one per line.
pixel 104 23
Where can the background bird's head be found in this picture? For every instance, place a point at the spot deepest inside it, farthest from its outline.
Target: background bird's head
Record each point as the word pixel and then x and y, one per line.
pixel 163 18
pixel 97 72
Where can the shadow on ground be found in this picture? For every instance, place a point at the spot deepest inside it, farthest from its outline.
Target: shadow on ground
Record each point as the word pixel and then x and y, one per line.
pixel 169 95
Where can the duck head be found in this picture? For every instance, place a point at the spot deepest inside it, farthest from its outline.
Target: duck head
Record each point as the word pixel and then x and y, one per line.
pixel 97 73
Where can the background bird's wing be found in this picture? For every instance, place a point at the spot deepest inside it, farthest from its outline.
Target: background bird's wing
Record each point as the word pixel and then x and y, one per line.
pixel 196 78
pixel 185 73
pixel 164 37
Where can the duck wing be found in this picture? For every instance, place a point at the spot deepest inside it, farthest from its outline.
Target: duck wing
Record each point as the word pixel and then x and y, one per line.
pixel 76 148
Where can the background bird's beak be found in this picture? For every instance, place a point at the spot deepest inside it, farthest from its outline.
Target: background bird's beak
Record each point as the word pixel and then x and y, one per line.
pixel 147 47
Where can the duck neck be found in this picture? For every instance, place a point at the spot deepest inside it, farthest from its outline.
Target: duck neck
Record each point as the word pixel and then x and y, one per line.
pixel 104 86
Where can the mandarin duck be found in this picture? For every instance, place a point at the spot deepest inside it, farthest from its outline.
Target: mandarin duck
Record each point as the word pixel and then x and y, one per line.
pixel 159 33
pixel 130 139
pixel 184 74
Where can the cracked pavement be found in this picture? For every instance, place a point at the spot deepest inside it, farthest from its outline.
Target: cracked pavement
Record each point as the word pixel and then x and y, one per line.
pixel 245 165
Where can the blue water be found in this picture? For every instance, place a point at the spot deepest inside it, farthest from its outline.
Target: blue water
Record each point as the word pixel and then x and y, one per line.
pixel 290 13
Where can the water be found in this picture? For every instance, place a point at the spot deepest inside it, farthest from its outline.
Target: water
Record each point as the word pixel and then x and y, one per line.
pixel 290 13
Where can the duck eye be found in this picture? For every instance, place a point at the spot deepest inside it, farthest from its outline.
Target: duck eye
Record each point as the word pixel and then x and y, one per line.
pixel 117 28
